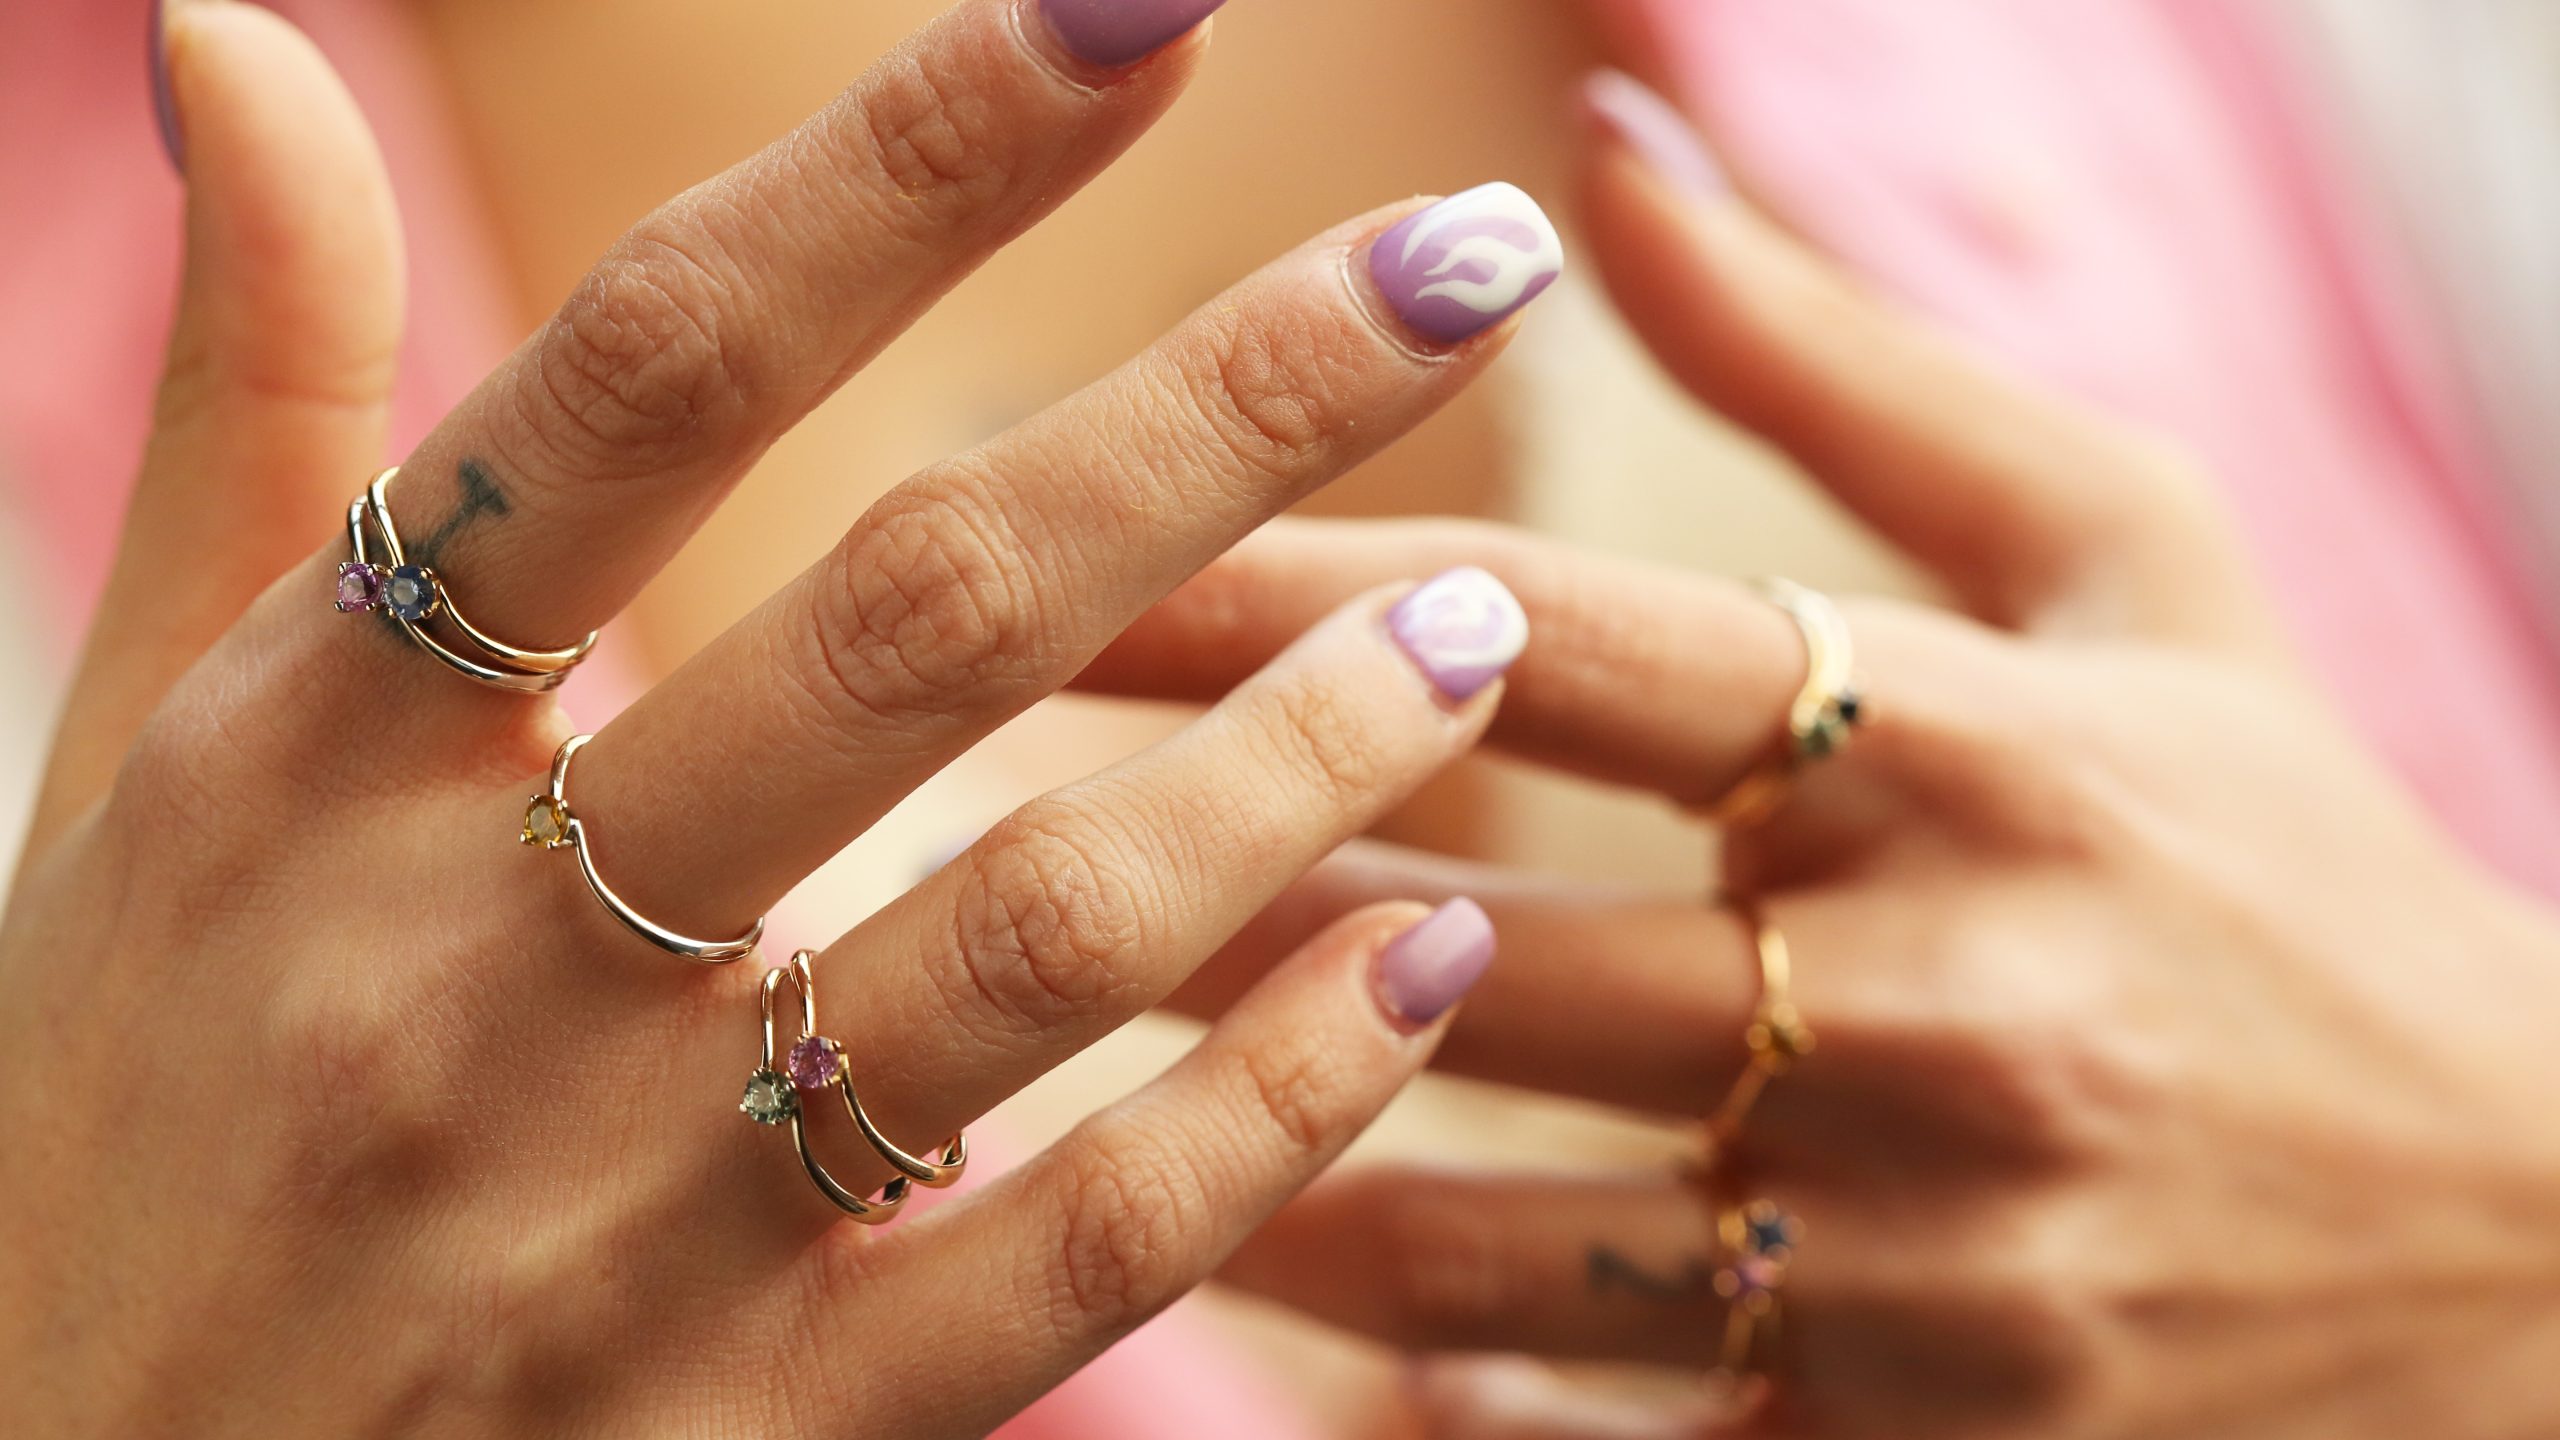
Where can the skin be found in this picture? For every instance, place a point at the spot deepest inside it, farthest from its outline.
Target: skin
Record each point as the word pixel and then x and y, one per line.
pixel 332 1110
pixel 2175 1075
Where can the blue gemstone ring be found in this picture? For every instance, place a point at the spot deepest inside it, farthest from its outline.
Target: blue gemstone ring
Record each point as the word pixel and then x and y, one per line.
pixel 1822 718
pixel 1755 1243
pixel 381 577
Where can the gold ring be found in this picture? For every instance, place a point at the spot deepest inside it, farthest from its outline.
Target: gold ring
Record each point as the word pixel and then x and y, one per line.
pixel 1755 1243
pixel 549 824
pixel 816 1063
pixel 1777 1036
pixel 412 594
pixel 1825 713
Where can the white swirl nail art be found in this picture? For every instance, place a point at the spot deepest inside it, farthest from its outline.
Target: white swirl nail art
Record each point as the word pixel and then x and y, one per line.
pixel 1465 263
pixel 1463 628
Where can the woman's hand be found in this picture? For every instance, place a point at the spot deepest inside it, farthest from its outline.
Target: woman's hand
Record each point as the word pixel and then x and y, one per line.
pixel 2174 1075
pixel 331 1109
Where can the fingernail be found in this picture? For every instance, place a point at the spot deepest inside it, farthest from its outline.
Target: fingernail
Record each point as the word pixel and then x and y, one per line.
pixel 1657 132
pixel 1467 262
pixel 1462 628
pixel 1116 32
pixel 163 103
pixel 1432 966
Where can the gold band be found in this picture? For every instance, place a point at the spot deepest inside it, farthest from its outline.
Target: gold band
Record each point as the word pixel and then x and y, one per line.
pixel 813 1063
pixel 412 594
pixel 549 824
pixel 1825 712
pixel 1777 1036
pixel 1755 1243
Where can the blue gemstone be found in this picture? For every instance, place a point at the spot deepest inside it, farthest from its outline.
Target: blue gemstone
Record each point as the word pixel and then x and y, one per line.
pixel 1772 1232
pixel 410 593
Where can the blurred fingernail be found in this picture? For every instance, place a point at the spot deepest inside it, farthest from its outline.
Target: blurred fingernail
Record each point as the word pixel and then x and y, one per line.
pixel 1432 966
pixel 1115 32
pixel 1467 262
pixel 1462 629
pixel 1659 134
pixel 163 103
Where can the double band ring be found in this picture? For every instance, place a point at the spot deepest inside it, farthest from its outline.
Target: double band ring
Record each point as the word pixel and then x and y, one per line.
pixel 381 576
pixel 1822 717
pixel 549 824
pixel 1755 1243
pixel 1777 1036
pixel 780 1094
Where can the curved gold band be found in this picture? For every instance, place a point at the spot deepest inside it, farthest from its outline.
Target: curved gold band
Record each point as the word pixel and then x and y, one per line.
pixel 549 824
pixel 1755 1243
pixel 773 1097
pixel 1826 709
pixel 497 664
pixel 1777 1036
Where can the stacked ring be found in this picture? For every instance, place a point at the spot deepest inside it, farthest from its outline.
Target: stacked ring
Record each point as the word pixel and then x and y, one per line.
pixel 412 594
pixel 1755 1243
pixel 1825 713
pixel 814 1063
pixel 1777 1036
pixel 549 824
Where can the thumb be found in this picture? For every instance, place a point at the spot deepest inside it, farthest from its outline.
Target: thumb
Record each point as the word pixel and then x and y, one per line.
pixel 275 399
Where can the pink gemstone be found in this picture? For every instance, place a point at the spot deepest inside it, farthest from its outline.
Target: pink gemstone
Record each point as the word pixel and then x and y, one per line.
pixel 359 587
pixel 813 1062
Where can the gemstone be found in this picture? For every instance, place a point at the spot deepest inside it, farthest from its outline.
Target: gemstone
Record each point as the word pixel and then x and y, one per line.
pixel 359 587
pixel 815 1062
pixel 1753 1275
pixel 769 1099
pixel 1850 707
pixel 410 592
pixel 1774 1231
pixel 546 824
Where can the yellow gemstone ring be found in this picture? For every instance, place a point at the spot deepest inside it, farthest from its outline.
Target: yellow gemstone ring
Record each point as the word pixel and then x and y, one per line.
pixel 549 824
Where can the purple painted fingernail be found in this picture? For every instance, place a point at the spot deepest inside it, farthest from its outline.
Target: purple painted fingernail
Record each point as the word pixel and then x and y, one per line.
pixel 1116 32
pixel 1463 628
pixel 1468 261
pixel 1430 967
pixel 163 102
pixel 1660 135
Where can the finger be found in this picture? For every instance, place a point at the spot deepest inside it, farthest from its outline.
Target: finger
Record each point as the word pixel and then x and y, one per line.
pixel 1613 1268
pixel 567 479
pixel 1634 1000
pixel 1504 1398
pixel 985 584
pixel 1020 1284
pixel 2034 510
pixel 1083 909
pixel 278 378
pixel 1641 675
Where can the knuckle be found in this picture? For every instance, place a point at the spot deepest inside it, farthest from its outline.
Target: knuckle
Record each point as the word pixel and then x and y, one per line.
pixel 1297 1090
pixel 943 148
pixel 1046 929
pixel 919 607
pixel 638 366
pixel 1265 392
pixel 1323 736
pixel 353 1136
pixel 1127 1208
pixel 1452 1283
pixel 2049 1093
pixel 2039 1343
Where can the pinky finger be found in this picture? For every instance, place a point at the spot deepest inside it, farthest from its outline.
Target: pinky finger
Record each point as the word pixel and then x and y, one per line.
pixel 1010 1291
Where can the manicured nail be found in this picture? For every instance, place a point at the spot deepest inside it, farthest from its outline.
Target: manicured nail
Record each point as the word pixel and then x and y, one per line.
pixel 1466 262
pixel 1658 133
pixel 163 102
pixel 1463 628
pixel 1115 32
pixel 1430 967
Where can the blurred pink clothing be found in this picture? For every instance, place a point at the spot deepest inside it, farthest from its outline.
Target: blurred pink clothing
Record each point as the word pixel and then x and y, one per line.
pixel 2139 201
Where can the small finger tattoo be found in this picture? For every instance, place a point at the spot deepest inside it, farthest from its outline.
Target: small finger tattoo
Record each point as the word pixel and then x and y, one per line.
pixel 480 496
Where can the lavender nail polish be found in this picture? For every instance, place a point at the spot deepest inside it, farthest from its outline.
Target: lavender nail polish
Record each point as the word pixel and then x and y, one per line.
pixel 1116 32
pixel 1659 134
pixel 1467 262
pixel 1430 967
pixel 163 103
pixel 1462 628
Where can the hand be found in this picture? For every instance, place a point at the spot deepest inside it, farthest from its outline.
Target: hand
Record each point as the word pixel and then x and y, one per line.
pixel 2174 1075
pixel 331 1109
